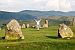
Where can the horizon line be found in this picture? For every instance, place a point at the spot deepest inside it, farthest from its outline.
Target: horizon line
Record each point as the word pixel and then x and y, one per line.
pixel 35 10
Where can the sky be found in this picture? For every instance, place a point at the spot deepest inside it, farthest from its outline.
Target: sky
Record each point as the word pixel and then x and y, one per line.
pixel 41 5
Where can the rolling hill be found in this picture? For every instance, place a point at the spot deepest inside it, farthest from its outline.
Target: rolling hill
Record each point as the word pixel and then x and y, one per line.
pixel 48 13
pixel 32 14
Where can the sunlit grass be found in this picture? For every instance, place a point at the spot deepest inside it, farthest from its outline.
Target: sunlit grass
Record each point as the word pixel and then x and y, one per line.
pixel 44 39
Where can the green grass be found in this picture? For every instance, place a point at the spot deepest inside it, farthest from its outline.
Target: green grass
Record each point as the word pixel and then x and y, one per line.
pixel 44 39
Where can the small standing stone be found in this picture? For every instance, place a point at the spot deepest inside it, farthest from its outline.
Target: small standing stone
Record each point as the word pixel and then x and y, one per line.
pixel 0 28
pixel 73 22
pixel 23 26
pixel 27 26
pixel 45 24
pixel 64 31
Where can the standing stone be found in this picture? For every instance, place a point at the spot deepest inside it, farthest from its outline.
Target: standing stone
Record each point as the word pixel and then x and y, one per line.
pixel 0 28
pixel 45 24
pixel 64 31
pixel 13 31
pixel 23 26
pixel 73 21
pixel 27 26
pixel 33 26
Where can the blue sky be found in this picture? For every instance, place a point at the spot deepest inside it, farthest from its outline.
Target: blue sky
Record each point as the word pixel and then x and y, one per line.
pixel 41 5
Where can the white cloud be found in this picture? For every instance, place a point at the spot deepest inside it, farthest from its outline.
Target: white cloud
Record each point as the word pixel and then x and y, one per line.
pixel 51 5
pixel 65 5
pixel 18 5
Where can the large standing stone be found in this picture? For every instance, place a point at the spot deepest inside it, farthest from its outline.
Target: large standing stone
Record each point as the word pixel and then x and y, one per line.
pixel 64 31
pixel 13 30
pixel 23 26
pixel 45 24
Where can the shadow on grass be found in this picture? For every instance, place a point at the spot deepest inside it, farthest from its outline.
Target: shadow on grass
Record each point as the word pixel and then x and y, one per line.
pixel 4 40
pixel 55 37
pixel 52 37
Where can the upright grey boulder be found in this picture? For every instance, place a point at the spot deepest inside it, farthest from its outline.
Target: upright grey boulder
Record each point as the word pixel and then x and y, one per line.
pixel 23 26
pixel 13 30
pixel 64 31
pixel 45 24
pixel 27 26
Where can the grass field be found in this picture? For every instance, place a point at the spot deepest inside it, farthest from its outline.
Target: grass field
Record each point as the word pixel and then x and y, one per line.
pixel 44 39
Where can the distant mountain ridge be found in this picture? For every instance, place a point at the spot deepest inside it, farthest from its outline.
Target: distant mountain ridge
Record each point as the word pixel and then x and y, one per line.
pixel 28 15
pixel 14 15
pixel 48 13
pixel 31 14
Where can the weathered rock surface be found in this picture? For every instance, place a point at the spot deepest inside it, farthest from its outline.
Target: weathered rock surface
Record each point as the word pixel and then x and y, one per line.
pixel 13 30
pixel 23 26
pixel 64 31
pixel 27 26
pixel 45 24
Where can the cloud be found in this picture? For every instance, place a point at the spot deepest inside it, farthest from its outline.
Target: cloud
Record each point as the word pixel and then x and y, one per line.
pixel 65 5
pixel 18 5
pixel 51 5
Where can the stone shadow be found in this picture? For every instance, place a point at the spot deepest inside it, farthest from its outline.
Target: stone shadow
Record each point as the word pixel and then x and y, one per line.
pixel 56 37
pixel 52 37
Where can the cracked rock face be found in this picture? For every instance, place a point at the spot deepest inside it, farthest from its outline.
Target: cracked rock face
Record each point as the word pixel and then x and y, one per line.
pixel 13 30
pixel 64 31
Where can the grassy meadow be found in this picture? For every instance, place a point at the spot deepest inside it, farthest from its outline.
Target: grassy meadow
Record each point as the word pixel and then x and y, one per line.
pixel 44 39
